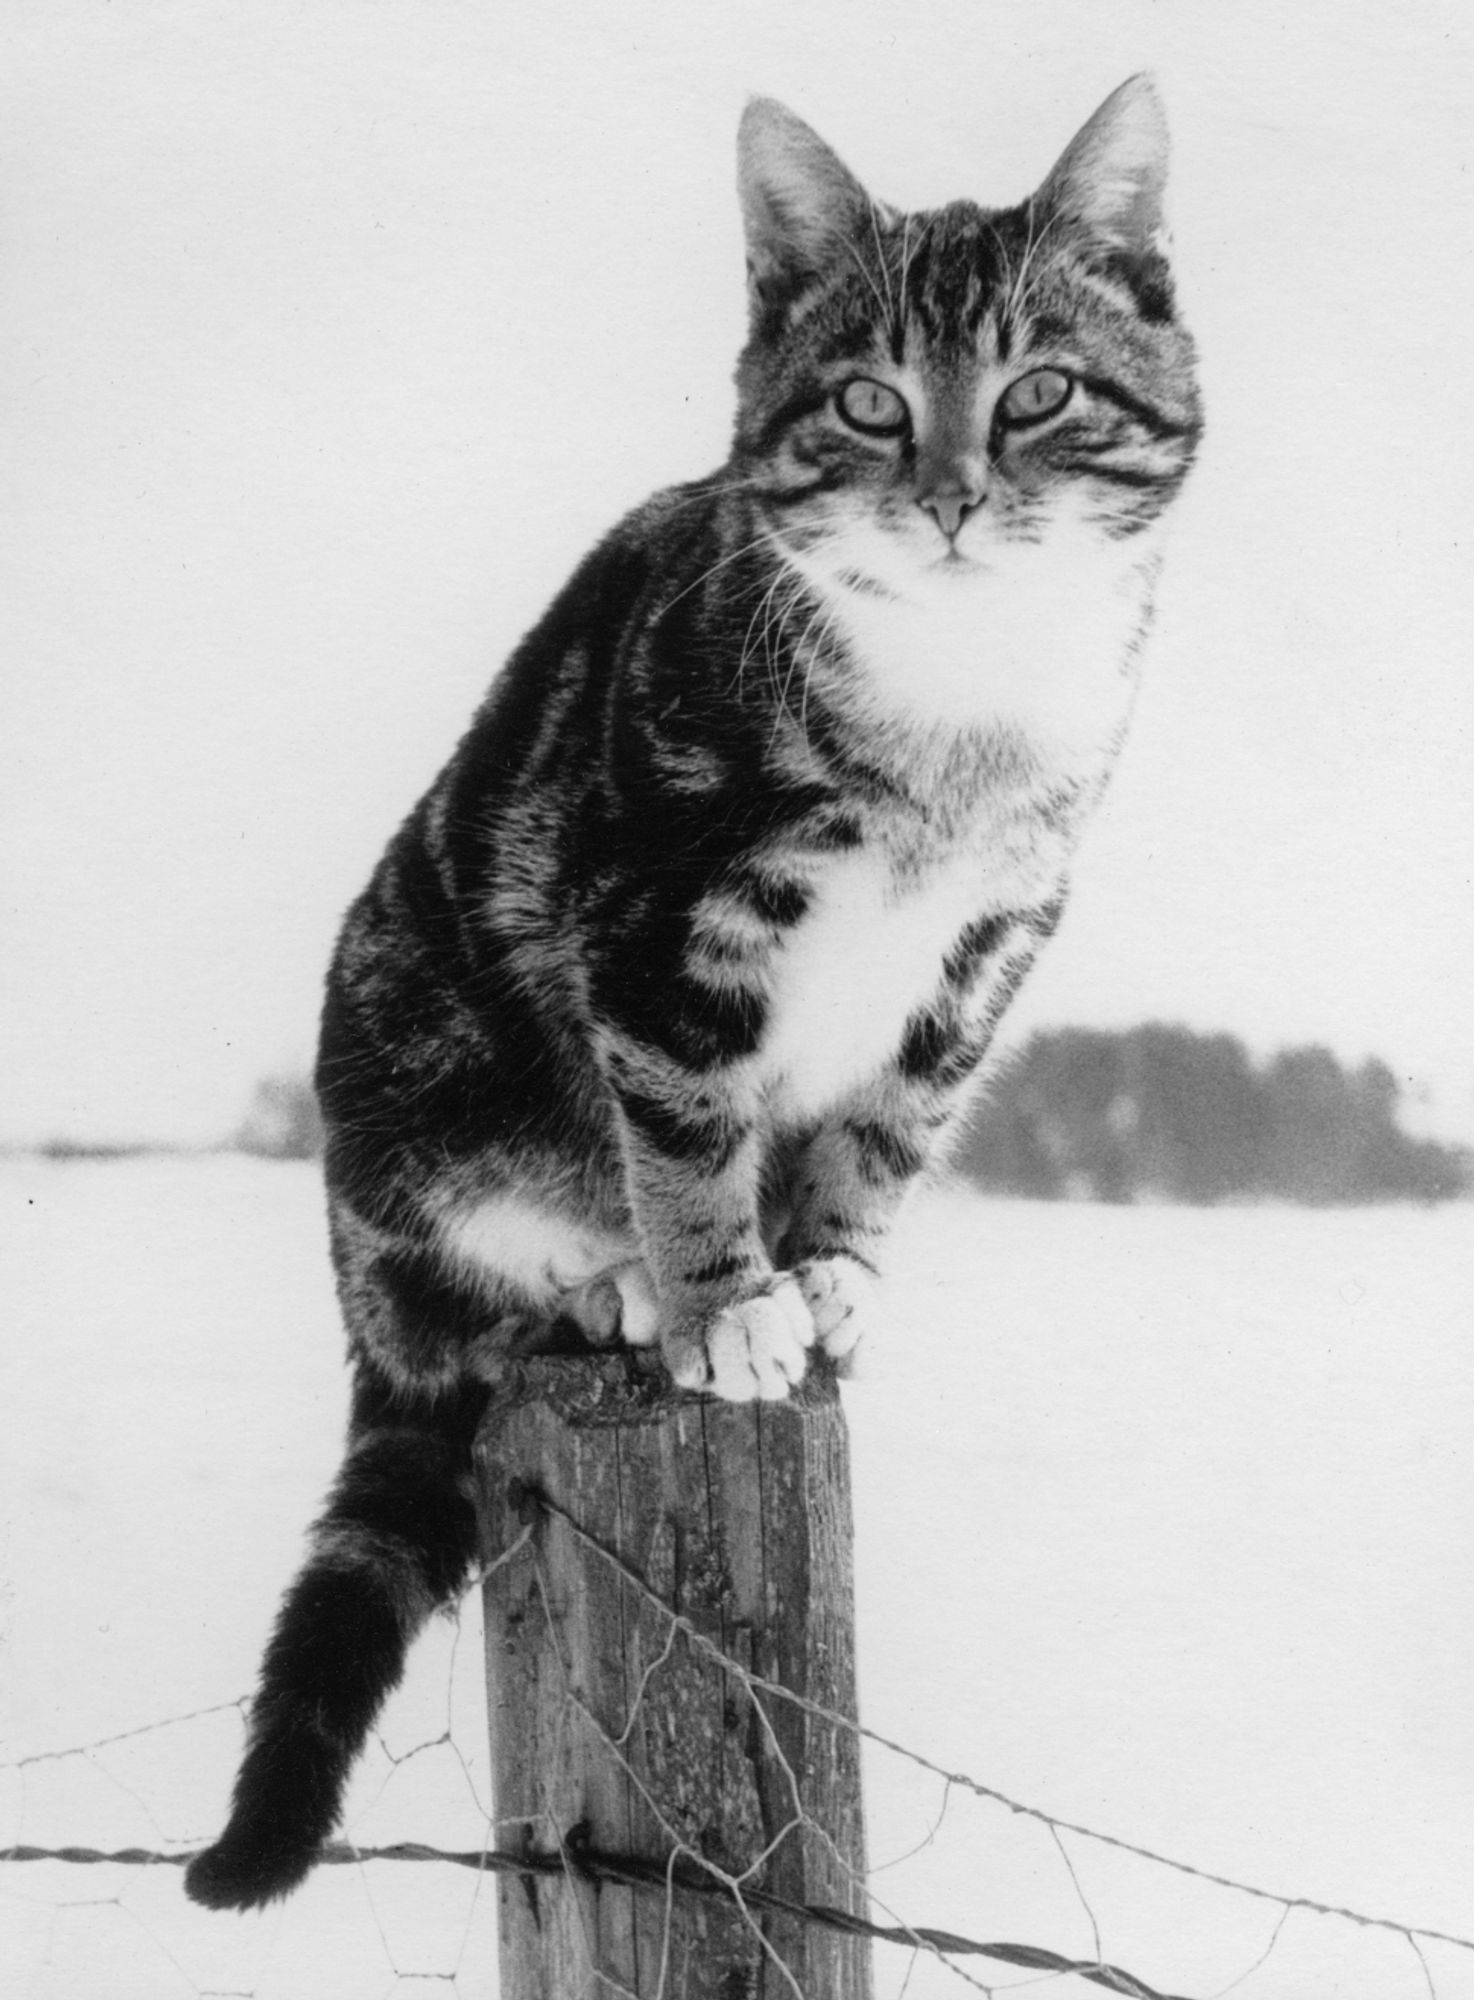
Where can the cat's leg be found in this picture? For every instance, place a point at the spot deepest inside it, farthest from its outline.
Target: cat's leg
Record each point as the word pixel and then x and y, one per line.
pixel 857 1169
pixel 617 1304
pixel 575 1268
pixel 851 1180
pixel 729 1323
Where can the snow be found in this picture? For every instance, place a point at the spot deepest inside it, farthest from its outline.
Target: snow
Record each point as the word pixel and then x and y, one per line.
pixel 1161 1529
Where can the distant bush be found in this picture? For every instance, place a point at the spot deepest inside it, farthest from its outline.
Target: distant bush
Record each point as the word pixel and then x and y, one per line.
pixel 94 1149
pixel 283 1122
pixel 1159 1113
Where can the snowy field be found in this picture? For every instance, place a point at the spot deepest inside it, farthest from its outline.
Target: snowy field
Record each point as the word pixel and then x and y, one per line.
pixel 1164 1527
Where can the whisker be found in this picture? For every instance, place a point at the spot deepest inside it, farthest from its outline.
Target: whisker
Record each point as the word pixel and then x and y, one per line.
pixel 762 611
pixel 797 595
pixel 890 304
pixel 777 633
pixel 1020 291
pixel 758 541
pixel 865 272
pixel 827 617
pixel 898 337
pixel 793 657
pixel 821 645
pixel 717 486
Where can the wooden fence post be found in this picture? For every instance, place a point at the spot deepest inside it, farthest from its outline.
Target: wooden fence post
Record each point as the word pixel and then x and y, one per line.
pixel 615 1732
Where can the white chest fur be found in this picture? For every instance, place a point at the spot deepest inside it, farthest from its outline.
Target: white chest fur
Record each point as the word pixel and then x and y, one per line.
pixel 865 956
pixel 1038 638
pixel 1030 643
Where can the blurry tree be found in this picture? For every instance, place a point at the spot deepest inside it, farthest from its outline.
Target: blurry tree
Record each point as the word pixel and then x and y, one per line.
pixel 1159 1113
pixel 283 1122
pixel 1200 1113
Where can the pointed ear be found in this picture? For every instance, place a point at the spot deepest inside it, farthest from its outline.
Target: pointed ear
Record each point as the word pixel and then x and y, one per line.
pixel 1110 179
pixel 799 200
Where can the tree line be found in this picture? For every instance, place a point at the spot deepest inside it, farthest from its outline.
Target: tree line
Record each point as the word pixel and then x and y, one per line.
pixel 1151 1113
pixel 1159 1113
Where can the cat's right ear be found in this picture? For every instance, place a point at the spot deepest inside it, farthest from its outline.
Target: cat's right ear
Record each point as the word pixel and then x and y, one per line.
pixel 1110 179
pixel 800 203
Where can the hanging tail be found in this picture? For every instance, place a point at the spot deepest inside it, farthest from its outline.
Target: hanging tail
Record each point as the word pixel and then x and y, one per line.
pixel 395 1542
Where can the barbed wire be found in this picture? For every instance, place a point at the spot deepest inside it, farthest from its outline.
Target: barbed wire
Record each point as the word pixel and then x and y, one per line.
pixel 240 1705
pixel 630 1871
pixel 960 1778
pixel 687 1873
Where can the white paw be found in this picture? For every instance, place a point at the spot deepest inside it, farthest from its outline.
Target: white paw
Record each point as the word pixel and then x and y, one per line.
pixel 841 1296
pixel 594 1309
pixel 758 1349
pixel 639 1309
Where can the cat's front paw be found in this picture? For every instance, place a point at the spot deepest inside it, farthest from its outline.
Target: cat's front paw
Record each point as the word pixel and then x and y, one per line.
pixel 841 1295
pixel 758 1348
pixel 618 1304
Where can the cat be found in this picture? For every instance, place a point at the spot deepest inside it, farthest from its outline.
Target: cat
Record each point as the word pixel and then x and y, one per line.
pixel 680 974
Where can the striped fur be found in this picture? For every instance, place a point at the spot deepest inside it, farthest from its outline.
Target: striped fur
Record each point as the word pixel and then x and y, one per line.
pixel 676 980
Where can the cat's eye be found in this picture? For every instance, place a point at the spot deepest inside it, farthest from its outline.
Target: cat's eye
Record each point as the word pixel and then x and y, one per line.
pixel 871 406
pixel 1034 397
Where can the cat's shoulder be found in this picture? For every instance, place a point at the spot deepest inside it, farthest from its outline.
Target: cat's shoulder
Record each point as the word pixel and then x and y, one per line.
pixel 675 520
pixel 642 559
pixel 652 559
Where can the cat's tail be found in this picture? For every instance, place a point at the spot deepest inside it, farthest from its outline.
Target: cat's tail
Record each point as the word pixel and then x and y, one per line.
pixel 395 1542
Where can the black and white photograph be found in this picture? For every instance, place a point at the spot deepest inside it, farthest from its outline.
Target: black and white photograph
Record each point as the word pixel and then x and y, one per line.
pixel 736 1108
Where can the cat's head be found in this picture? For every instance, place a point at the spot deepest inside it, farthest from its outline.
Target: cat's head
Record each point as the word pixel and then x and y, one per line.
pixel 922 396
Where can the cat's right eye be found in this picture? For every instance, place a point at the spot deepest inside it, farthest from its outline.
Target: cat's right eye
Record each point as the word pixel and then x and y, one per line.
pixel 872 407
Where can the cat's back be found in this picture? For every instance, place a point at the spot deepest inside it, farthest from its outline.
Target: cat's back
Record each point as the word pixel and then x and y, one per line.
pixel 591 643
pixel 611 770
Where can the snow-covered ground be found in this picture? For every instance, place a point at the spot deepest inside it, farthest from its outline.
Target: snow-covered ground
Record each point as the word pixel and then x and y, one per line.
pixel 1163 1528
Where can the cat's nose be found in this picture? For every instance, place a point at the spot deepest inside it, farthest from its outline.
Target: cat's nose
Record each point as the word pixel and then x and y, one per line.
pixel 950 503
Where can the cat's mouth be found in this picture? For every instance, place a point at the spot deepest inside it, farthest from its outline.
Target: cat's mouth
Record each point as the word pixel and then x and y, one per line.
pixel 953 563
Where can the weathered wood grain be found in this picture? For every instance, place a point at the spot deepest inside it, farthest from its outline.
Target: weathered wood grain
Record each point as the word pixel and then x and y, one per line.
pixel 610 1728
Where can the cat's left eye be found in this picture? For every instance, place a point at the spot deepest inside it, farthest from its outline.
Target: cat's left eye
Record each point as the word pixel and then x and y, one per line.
pixel 1034 397
pixel 873 407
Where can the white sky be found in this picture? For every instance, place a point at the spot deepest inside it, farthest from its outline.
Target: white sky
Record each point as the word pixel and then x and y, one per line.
pixel 333 334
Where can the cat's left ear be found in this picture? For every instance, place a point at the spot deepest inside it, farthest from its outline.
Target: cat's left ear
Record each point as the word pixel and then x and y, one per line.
pixel 1110 180
pixel 800 202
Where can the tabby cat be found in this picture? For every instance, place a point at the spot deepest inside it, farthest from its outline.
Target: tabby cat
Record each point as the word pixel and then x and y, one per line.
pixel 679 975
